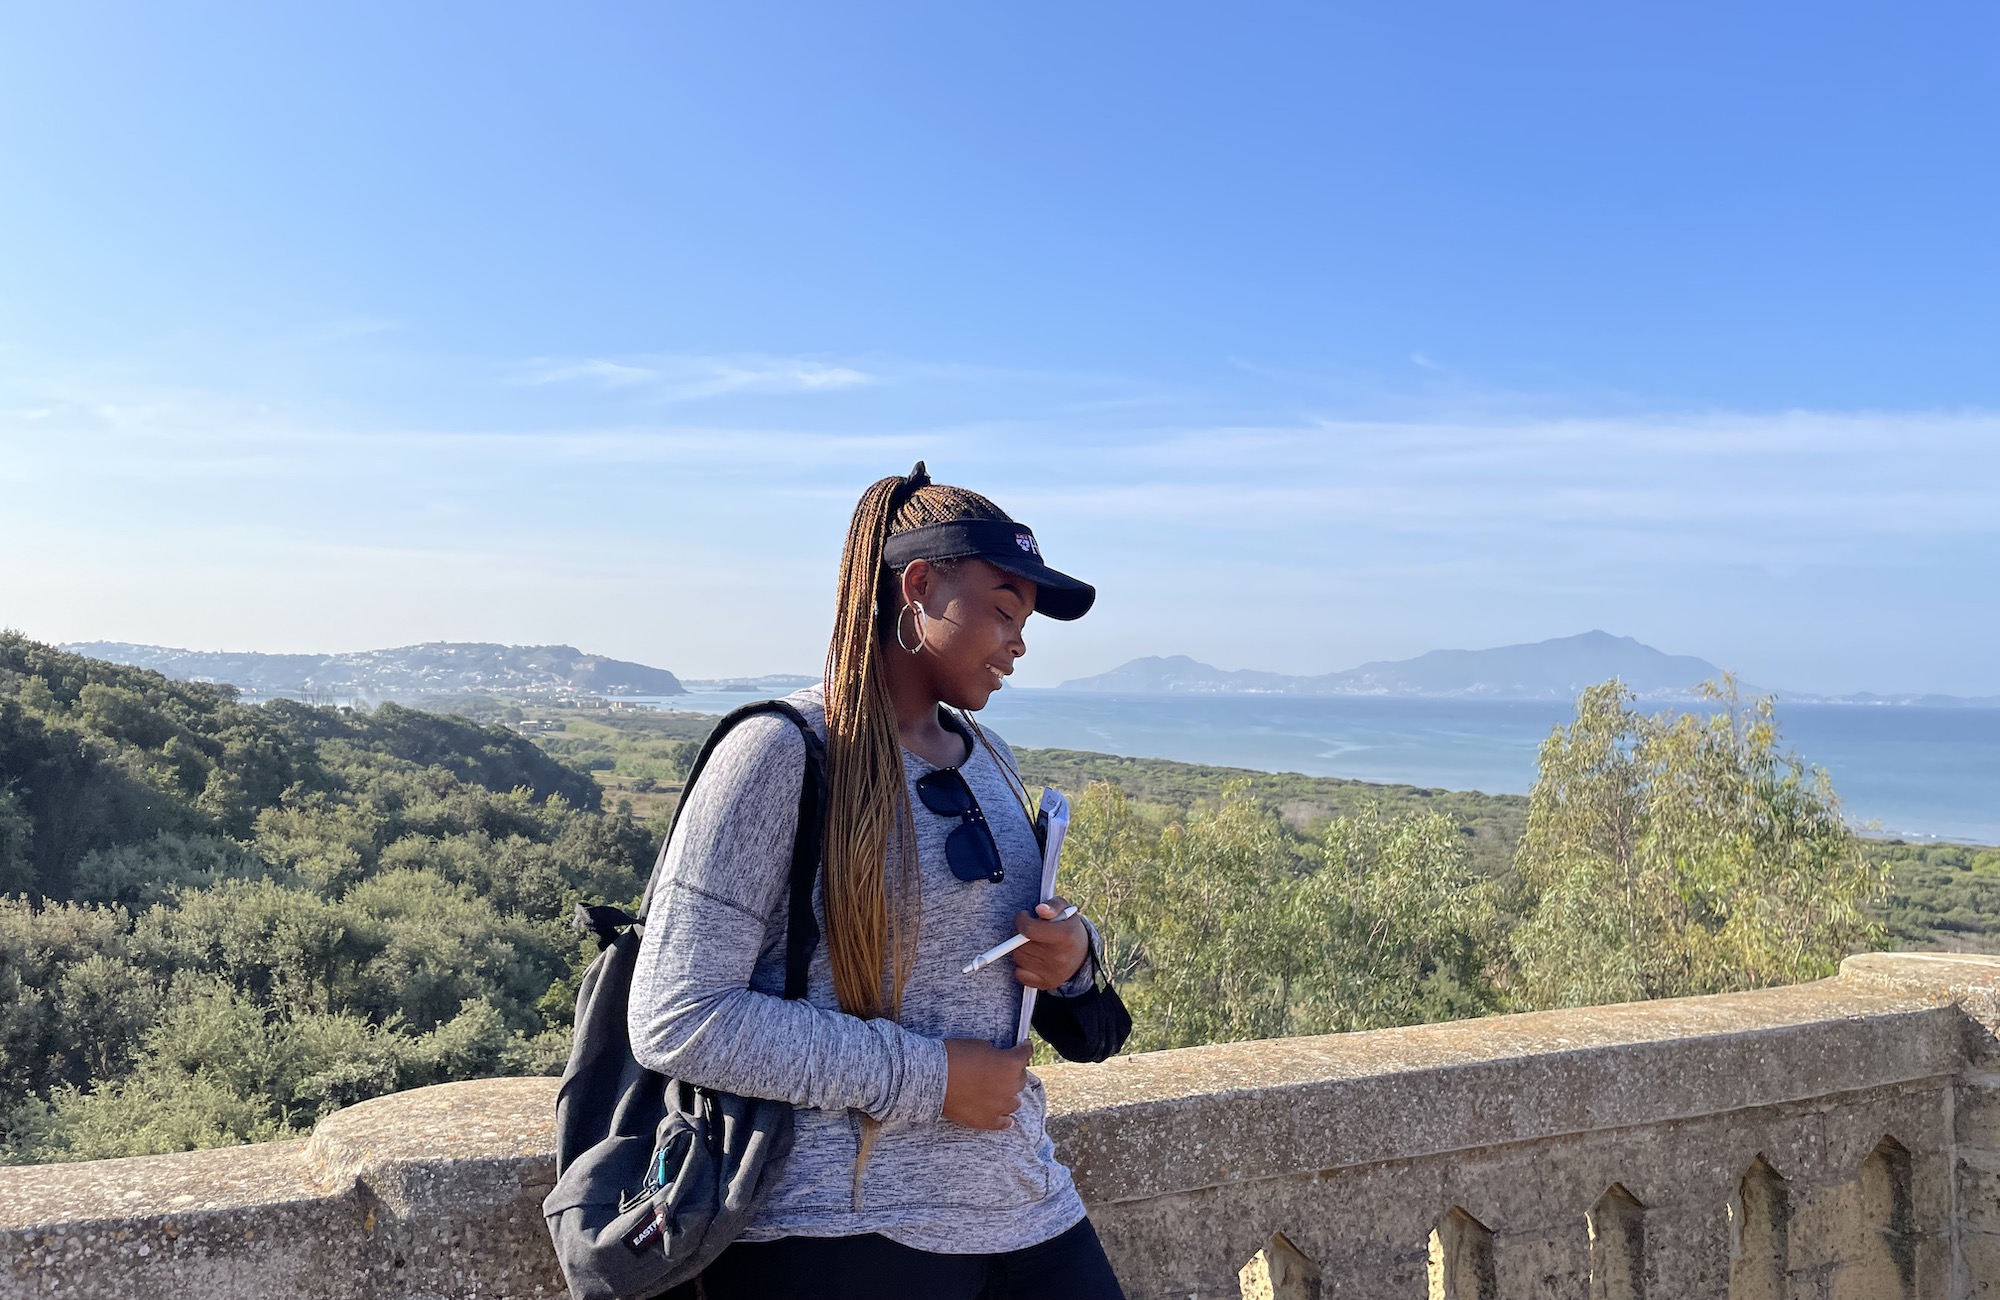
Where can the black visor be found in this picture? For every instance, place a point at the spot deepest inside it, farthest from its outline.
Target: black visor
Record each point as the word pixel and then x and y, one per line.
pixel 1003 545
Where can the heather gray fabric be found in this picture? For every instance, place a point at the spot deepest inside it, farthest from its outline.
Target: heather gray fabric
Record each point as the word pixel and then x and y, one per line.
pixel 706 1007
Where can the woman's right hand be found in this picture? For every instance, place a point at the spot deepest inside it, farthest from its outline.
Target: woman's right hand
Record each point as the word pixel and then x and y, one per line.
pixel 983 1083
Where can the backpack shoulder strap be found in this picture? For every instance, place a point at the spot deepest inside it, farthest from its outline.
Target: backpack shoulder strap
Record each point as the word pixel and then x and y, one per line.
pixel 801 929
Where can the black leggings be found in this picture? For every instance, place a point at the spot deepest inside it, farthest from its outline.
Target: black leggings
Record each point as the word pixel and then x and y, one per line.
pixel 1069 1267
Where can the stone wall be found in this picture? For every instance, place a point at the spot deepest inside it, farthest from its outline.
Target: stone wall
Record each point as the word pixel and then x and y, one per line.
pixel 1832 1141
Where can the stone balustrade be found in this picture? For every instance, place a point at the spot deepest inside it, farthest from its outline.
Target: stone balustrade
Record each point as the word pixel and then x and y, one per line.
pixel 1831 1141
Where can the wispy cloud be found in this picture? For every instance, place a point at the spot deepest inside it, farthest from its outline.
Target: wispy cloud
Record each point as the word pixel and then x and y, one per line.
pixel 343 328
pixel 679 378
pixel 1295 519
pixel 611 374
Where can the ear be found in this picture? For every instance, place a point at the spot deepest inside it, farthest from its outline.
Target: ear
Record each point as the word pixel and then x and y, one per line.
pixel 920 583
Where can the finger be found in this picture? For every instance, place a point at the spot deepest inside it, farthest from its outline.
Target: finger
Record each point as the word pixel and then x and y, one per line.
pixel 1050 910
pixel 1033 961
pixel 1039 930
pixel 1033 926
pixel 1046 965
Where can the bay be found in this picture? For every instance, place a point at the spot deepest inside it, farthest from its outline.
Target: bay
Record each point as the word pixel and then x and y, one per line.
pixel 1907 771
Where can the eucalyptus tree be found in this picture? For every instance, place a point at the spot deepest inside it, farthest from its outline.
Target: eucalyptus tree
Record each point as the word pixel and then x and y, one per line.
pixel 1677 854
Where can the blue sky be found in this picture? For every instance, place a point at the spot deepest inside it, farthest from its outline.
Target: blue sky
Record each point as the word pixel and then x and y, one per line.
pixel 1312 333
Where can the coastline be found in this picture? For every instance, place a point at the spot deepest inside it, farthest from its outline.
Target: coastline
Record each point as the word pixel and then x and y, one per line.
pixel 1917 773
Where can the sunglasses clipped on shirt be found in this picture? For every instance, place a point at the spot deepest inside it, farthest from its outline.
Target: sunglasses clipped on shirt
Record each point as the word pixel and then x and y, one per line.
pixel 970 849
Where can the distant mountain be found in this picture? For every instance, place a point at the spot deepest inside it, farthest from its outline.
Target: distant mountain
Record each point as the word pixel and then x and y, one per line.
pixel 1554 669
pixel 1178 674
pixel 1921 700
pixel 402 674
pixel 770 684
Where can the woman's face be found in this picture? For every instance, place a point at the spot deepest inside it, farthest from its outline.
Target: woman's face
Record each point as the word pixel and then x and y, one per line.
pixel 974 614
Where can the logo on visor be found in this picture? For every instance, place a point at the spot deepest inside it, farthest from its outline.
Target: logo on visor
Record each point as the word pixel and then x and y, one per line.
pixel 1026 541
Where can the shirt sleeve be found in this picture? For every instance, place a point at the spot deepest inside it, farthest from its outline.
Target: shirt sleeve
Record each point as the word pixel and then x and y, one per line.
pixel 693 1014
pixel 1086 974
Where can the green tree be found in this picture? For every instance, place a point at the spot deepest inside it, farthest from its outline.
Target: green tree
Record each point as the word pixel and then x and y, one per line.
pixel 1226 924
pixel 1393 928
pixel 17 831
pixel 73 1004
pixel 1214 949
pixel 1106 868
pixel 1674 855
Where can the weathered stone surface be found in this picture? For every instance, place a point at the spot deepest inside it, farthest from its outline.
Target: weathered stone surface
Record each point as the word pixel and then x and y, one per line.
pixel 449 1150
pixel 1979 1109
pixel 1368 1225
pixel 195 1182
pixel 428 1194
pixel 1979 1258
pixel 1969 981
pixel 1253 1110
pixel 1869 1097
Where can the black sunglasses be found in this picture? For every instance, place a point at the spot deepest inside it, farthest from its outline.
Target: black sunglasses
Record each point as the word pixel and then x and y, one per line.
pixel 969 848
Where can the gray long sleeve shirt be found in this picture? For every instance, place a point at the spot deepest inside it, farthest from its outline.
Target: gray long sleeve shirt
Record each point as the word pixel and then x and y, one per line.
pixel 707 1006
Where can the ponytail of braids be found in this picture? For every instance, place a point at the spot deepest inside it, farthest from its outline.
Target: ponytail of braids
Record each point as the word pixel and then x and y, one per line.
pixel 866 798
pixel 871 882
pixel 872 889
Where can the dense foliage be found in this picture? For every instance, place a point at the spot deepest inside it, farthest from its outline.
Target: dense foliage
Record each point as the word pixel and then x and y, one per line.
pixel 656 747
pixel 1941 896
pixel 1662 856
pixel 220 922
pixel 1490 824
pixel 1226 923
pixel 1669 855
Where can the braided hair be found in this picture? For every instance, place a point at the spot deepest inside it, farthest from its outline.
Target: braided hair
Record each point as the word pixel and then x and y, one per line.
pixel 871 867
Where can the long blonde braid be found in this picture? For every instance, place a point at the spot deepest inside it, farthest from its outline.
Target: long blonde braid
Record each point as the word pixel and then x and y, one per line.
pixel 872 890
pixel 871 870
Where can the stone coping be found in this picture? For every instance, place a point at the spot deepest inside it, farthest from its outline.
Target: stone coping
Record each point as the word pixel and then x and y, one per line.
pixel 1216 1116
pixel 1167 1121
pixel 499 1129
pixel 1969 980
pixel 218 1180
pixel 1224 1068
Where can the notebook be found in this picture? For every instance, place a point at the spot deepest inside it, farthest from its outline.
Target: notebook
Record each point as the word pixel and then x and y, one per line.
pixel 1053 819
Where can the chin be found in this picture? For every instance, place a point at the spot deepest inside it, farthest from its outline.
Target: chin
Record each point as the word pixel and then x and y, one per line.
pixel 971 698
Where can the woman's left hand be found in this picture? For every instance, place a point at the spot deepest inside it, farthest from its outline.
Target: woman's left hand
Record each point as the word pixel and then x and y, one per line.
pixel 1055 950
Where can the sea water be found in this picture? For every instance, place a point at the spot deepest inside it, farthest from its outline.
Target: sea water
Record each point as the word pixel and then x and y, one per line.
pixel 1901 770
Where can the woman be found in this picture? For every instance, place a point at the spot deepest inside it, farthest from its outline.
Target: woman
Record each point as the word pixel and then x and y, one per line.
pixel 921 1166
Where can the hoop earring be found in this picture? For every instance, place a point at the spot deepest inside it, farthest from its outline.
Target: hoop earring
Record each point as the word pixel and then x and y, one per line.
pixel 917 610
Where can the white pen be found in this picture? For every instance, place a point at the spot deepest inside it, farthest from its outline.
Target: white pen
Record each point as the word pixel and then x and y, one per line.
pixel 999 950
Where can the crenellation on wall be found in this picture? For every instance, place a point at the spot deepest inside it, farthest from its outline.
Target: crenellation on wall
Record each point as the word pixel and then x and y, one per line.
pixel 1280 1271
pixel 1838 1140
pixel 1365 1225
pixel 1616 1229
pixel 1462 1259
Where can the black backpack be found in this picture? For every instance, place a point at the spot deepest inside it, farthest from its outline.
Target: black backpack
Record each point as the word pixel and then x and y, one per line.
pixel 656 1176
